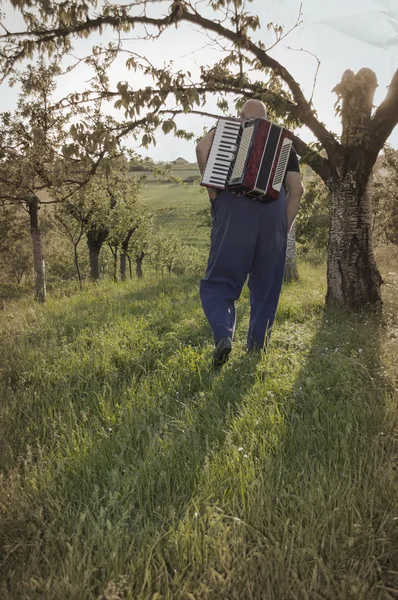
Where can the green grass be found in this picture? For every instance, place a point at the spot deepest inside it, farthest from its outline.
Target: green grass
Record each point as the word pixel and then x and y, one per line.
pixel 131 470
pixel 176 207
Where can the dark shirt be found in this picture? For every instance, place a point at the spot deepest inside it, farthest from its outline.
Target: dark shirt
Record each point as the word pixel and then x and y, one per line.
pixel 292 163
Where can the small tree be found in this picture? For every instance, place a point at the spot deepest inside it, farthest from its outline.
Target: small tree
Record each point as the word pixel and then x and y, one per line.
pixel 135 244
pixel 71 219
pixel 38 156
pixel 164 251
pixel 27 144
pixel 125 210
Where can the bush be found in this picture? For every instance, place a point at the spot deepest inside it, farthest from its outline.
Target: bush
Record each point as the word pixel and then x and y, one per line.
pixel 312 230
pixel 188 260
pixel 384 192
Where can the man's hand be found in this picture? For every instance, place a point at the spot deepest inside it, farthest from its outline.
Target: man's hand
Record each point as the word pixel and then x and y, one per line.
pixel 202 153
pixel 294 191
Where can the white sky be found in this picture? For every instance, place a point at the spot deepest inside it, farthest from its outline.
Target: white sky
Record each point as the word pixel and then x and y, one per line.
pixel 344 34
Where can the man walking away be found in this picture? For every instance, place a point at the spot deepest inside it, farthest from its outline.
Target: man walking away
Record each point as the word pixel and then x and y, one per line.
pixel 248 239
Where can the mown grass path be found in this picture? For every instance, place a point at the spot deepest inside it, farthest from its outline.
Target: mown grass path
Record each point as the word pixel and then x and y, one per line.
pixel 131 470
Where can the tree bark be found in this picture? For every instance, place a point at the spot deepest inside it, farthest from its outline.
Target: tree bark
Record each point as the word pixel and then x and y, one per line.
pixel 291 273
pixel 123 265
pixel 38 258
pixel 114 264
pixel 95 239
pixel 124 253
pixel 138 264
pixel 76 257
pixel 353 277
pixel 352 274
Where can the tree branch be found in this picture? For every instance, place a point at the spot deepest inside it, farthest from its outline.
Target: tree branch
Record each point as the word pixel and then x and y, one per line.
pixel 316 70
pixel 312 158
pixel 386 116
pixel 309 156
pixel 305 112
pixel 177 14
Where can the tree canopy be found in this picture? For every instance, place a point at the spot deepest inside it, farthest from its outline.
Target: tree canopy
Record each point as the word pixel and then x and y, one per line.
pixel 243 69
pixel 246 68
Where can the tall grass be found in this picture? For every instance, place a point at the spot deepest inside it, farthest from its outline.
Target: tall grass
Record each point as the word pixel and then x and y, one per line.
pixel 131 470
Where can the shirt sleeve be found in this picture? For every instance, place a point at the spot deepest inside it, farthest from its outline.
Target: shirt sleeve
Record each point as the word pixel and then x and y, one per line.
pixel 292 163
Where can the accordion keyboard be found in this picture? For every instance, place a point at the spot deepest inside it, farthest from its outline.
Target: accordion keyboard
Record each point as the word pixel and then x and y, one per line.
pixel 282 163
pixel 221 152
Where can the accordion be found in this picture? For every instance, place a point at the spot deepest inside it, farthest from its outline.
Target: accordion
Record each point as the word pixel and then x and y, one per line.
pixel 248 157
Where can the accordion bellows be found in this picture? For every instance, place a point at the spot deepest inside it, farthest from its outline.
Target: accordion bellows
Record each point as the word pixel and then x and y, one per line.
pixel 248 157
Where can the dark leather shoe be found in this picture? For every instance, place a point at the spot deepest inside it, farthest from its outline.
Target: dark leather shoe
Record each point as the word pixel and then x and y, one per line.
pixel 221 352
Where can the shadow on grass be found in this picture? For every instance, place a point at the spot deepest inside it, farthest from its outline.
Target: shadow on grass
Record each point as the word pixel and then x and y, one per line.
pixel 320 513
pixel 315 511
pixel 158 451
pixel 135 481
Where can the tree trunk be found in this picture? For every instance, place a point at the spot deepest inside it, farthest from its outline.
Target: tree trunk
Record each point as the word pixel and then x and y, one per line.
pixel 77 265
pixel 115 264
pixel 138 264
pixel 95 239
pixel 38 258
pixel 291 273
pixel 130 269
pixel 123 264
pixel 124 253
pixel 352 274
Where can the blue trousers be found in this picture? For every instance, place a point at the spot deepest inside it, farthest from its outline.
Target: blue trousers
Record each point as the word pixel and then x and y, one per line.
pixel 248 239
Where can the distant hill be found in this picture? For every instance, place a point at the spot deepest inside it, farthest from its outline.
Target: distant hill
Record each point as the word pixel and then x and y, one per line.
pixel 180 161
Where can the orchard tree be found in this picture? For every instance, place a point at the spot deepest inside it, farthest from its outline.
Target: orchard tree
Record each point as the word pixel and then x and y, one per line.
pixel 71 219
pixel 164 251
pixel 39 156
pixel 124 220
pixel 15 258
pixel 51 149
pixel 246 69
pixel 106 209
pixel 135 243
pixel 27 139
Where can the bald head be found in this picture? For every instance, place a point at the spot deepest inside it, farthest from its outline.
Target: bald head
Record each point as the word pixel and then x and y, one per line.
pixel 253 109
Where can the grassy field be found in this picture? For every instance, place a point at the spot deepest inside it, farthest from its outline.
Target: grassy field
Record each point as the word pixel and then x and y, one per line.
pixel 188 172
pixel 130 470
pixel 176 210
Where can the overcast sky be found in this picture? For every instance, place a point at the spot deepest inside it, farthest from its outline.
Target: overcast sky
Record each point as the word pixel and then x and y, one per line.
pixel 344 34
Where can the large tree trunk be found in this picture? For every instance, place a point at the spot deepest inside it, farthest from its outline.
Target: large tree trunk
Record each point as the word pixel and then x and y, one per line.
pixel 38 258
pixel 352 274
pixel 291 273
pixel 95 239
pixel 138 264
